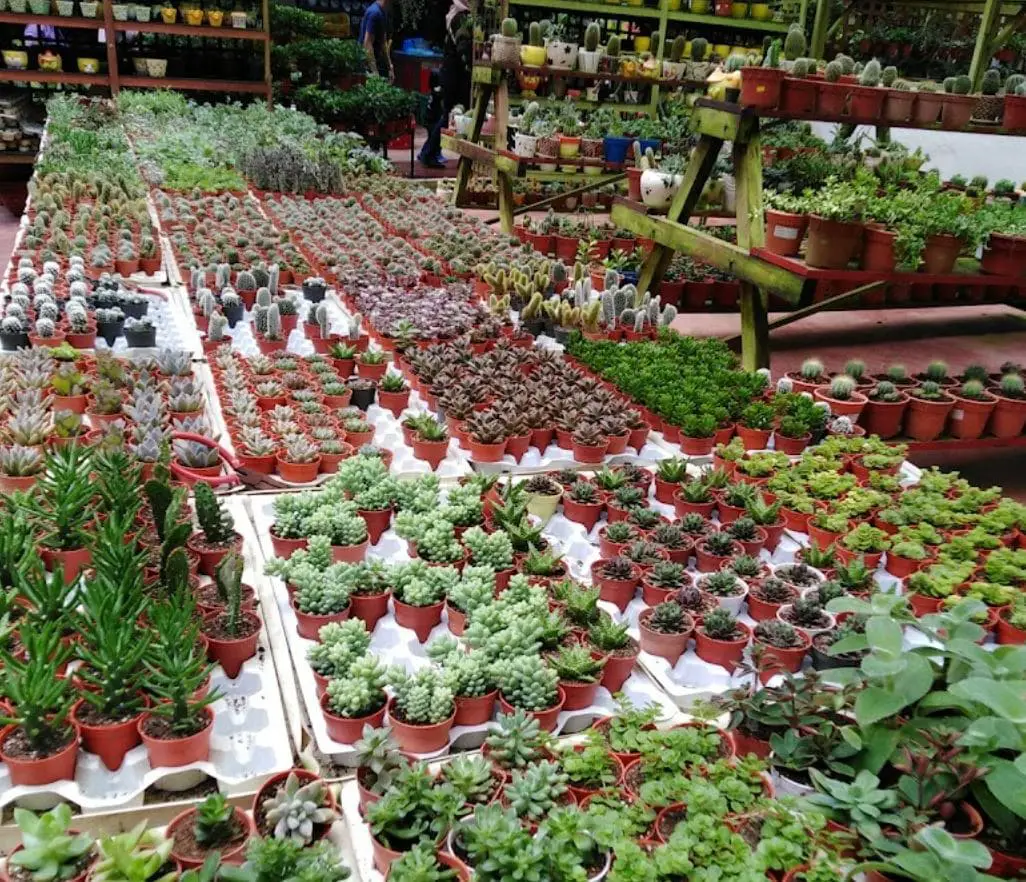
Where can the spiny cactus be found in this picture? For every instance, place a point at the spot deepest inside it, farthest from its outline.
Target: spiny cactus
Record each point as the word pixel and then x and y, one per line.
pixel 871 74
pixel 699 48
pixel 889 75
pixel 508 28
pixel 794 44
pixel 592 33
pixel 834 71
pixel 991 83
pixel 677 48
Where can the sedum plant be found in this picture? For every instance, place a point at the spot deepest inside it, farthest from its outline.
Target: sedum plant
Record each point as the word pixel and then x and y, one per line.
pixel 517 741
pixel 528 683
pixel 297 809
pixel 533 792
pixel 421 698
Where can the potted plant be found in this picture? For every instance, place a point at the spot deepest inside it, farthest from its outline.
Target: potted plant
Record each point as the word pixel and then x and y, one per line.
pixel 40 743
pixel 421 710
pixel 665 631
pixel 972 409
pixel 300 460
pixel 1009 414
pixel 137 854
pixel 213 826
pixel 583 504
pixel 62 506
pixel 720 639
pixel 580 673
pixel 617 579
pixel 49 848
pixel 527 683
pixel 355 700
pixel 232 633
pixel 781 648
pixel 928 409
pixel 620 650
pixel 765 598
pixel 806 614
pixel 714 550
pixel 866 541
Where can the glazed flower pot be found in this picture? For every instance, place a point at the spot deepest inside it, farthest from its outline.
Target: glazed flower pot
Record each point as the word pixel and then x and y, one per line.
pixel 475 711
pixel 174 752
pixel 548 718
pixel 925 420
pixel 230 854
pixel 349 730
pixel 884 418
pixel 832 244
pixel 616 591
pixel 420 619
pixel 668 646
pixel 232 653
pixel 369 608
pixel 418 739
pixel 968 417
pixel 658 188
pixel 32 772
pixel 724 653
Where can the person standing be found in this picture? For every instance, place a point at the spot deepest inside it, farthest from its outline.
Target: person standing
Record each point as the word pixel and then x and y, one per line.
pixel 456 60
pixel 376 40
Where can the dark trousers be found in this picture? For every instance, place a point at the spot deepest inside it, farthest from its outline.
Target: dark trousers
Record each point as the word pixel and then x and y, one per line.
pixel 433 145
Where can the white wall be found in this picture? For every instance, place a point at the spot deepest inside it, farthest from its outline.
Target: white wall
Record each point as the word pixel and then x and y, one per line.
pixel 958 153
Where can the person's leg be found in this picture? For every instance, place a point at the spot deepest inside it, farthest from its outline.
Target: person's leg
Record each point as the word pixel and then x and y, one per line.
pixel 432 147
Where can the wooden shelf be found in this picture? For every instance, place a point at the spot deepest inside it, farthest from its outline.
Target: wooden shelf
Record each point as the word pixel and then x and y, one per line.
pixel 12 158
pixel 186 84
pixel 516 100
pixel 863 277
pixel 560 73
pixel 722 21
pixel 40 76
pixel 594 8
pixel 184 30
pixel 57 21
pixel 961 444
pixel 971 129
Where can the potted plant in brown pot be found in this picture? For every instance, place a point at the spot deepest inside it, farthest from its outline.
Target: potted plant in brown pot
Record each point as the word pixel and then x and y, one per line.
pixel 781 648
pixel 421 710
pixel 928 409
pixel 972 409
pixel 1009 415
pixel 232 633
pixel 665 631
pixel 620 649
pixel 842 396
pixel 294 805
pixel 721 640
pixel 213 825
pixel 884 410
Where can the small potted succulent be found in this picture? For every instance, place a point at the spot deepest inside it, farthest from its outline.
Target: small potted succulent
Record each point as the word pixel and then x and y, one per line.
pixel 213 826
pixel 421 710
pixel 721 640
pixel 526 683
pixel 665 631
pixel 355 700
pixel 780 647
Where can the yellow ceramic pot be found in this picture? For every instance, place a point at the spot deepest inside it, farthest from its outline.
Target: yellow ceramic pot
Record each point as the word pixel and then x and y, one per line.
pixel 635 2
pixel 628 67
pixel 700 7
pixel 168 14
pixel 532 56
pixel 194 17
pixel 569 148
pixel 89 65
pixel 641 44
pixel 673 5
pixel 15 59
pixel 741 50
pixel 49 62
pixel 761 11
pixel 739 10
pixel 722 49
pixel 215 17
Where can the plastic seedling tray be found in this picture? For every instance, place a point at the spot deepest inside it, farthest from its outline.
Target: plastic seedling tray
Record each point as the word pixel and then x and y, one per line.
pixel 399 645
pixel 250 741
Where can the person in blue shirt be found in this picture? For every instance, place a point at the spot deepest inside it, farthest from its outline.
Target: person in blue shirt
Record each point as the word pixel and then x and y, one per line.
pixel 375 39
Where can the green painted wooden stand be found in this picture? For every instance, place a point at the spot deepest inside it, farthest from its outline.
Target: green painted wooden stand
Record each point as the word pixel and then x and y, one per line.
pixel 718 123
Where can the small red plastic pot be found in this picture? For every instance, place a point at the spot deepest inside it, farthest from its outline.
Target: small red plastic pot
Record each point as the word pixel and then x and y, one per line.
pixel 308 625
pixel 229 855
pixel 776 659
pixel 419 738
pixel 420 619
pixel 369 608
pixel 724 653
pixel 174 752
pixel 475 711
pixel 349 730
pixel 584 513
pixel 668 646
pixel 232 654
pixel 109 742
pixel 547 718
pixel 616 591
pixel 785 231
pixel 377 521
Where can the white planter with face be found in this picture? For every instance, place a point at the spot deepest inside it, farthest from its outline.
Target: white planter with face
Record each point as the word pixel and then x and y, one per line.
pixel 524 145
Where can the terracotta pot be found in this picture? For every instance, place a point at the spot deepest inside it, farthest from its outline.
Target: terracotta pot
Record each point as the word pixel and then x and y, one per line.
pixel 969 417
pixel 109 742
pixel 866 102
pixel 209 558
pixel 725 653
pixel 785 231
pixel 883 418
pixel 878 250
pixel 308 625
pixel 898 105
pixel 25 771
pixel 1008 417
pixel 762 610
pixel 486 452
pixel 833 100
pixel 475 711
pixel 547 718
pixel 377 521
pixel 754 439
pixel 903 567
pixel 584 513
pixel 668 646
pixel 396 402
pixel 349 730
pixel 231 855
pixel 823 538
pixel 798 97
pixel 518 445
pixel 928 107
pixel 616 591
pixel 710 563
pixel 617 671
pixel 923 605
pixel 297 472
pixel 589 453
pixel 745 744
pixel 832 244
pixel 276 782
pixel 925 420
pixel 419 738
pixel 775 659
pixel 852 407
pixel 284 548
pixel 940 253
pixel 420 619
pixel 1006 633
pixel 761 86
pixel 232 654
pixel 174 752
pixel 957 111
pixel 682 507
pixel 72 561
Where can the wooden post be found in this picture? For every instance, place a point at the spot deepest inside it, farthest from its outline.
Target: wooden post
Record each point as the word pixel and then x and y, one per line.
pixel 751 233
pixel 466 165
pixel 821 24
pixel 266 7
pixel 699 167
pixel 504 184
pixel 984 42
pixel 112 49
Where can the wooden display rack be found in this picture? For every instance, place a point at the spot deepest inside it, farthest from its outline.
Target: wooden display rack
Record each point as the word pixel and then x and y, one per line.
pixel 760 272
pixel 114 81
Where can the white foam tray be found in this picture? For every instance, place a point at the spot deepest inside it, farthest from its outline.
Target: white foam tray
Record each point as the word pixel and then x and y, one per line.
pixel 250 741
pixel 398 645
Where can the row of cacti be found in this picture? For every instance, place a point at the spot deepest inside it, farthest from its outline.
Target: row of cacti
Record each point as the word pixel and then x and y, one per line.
pixel 256 277
pixel 539 31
